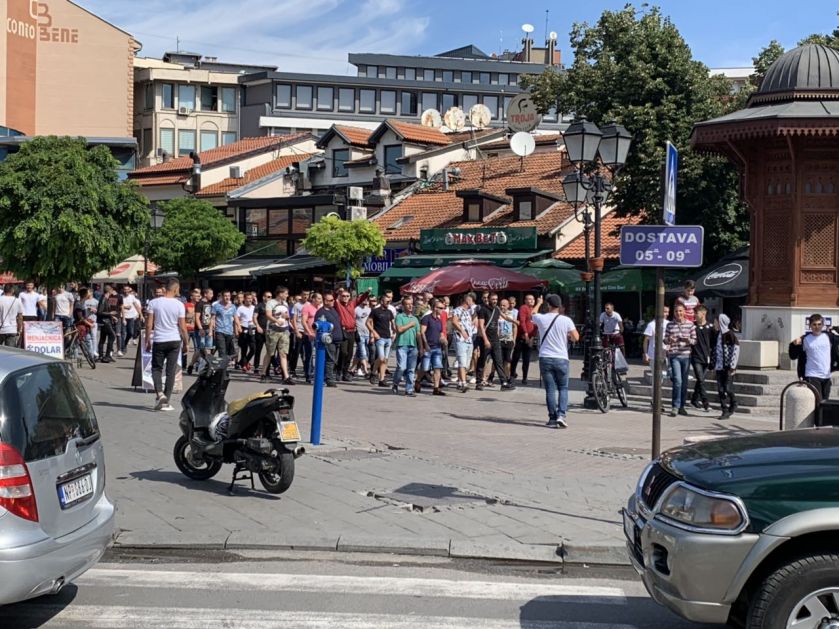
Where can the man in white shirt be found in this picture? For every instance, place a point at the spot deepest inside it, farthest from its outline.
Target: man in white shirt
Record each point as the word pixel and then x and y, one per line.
pixel 611 326
pixel 64 307
pixel 132 314
pixel 555 330
pixel 648 346
pixel 30 298
pixel 11 317
pixel 816 353
pixel 165 336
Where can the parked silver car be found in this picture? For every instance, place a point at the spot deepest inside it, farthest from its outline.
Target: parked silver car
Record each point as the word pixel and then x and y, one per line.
pixel 55 520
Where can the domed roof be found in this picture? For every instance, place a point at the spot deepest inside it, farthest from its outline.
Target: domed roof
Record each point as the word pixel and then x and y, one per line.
pixel 809 67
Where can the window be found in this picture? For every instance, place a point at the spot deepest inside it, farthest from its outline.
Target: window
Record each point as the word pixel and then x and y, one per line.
pixel 409 104
pixel 304 97
pixel 209 140
pixel 390 72
pixel 492 103
pixel 228 137
pixel 186 96
pixel 468 101
pixel 339 158
pixel 283 96
pixel 525 210
pixel 167 140
pixel 503 79
pixel 410 74
pixel 428 75
pixel 449 101
pixel 373 71
pixel 186 141
pixel 387 101
pixel 149 94
pixel 147 142
pixel 551 115
pixel 429 100
pixel 465 77
pixel 301 220
pixel 484 78
pixel 209 98
pixel 448 76
pixel 393 153
pixel 228 99
pixel 514 79
pixel 367 101
pixel 278 222
pixel 256 223
pixel 507 100
pixel 346 99
pixel 325 98
pixel 323 210
pixel 473 212
pixel 167 95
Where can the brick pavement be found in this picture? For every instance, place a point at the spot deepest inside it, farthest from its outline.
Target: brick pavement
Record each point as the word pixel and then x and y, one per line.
pixel 469 471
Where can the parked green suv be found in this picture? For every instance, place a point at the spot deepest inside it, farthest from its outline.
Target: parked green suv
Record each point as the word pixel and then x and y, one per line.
pixel 742 530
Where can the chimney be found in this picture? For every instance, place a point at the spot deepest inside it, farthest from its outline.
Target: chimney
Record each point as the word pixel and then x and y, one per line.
pixel 195 179
pixel 550 45
pixel 527 52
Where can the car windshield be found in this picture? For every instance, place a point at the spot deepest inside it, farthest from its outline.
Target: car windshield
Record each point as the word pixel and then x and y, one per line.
pixel 43 408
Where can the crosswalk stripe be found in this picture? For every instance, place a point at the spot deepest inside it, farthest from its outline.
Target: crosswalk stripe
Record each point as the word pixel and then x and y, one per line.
pixel 389 586
pixel 107 617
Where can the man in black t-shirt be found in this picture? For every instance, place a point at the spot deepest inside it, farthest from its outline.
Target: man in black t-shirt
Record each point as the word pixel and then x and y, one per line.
pixel 261 325
pixel 488 316
pixel 107 315
pixel 382 331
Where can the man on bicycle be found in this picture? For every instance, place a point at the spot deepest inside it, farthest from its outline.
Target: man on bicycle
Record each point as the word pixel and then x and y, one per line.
pixel 611 326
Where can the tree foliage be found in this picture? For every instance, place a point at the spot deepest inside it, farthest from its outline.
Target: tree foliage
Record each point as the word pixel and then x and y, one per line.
pixel 194 235
pixel 64 214
pixel 344 243
pixel 635 68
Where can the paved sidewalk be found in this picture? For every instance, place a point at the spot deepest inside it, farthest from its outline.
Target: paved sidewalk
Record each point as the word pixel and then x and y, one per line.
pixel 472 475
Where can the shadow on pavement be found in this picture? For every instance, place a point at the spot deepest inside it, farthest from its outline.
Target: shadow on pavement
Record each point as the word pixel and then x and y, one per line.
pixel 499 420
pixel 133 407
pixel 632 612
pixel 243 488
pixel 37 612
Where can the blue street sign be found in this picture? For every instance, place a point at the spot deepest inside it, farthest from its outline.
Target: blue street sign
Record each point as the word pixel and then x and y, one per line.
pixel 671 171
pixel 659 245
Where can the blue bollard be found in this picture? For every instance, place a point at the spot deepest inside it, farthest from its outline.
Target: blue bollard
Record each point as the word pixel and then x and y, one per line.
pixel 323 329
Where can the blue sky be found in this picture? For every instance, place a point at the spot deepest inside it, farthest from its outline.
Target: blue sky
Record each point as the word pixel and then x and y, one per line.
pixel 316 35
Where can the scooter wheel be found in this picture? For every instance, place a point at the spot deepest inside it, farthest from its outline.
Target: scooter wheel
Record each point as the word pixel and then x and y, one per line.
pixel 279 481
pixel 191 468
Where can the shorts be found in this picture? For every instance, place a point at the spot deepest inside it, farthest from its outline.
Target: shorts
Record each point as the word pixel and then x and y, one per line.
pixel 284 342
pixel 200 340
pixel 507 351
pixel 361 347
pixel 432 359
pixel 463 352
pixel 383 348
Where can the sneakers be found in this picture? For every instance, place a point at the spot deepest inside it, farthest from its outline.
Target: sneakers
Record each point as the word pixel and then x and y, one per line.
pixel 437 392
pixel 725 415
pixel 683 412
pixel 120 354
pixel 552 423
pixel 289 381
pixel 360 373
pixel 167 407
pixel 479 386
pixel 696 404
pixel 508 386
pixel 160 403
pixel 672 412
pixel 189 370
pixel 382 383
pixel 472 380
pixel 462 388
pixel 563 423
pixel 410 394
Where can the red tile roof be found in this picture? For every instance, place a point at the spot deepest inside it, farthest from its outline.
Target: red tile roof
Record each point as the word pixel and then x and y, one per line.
pixel 162 180
pixel 610 239
pixel 417 133
pixel 433 207
pixel 356 136
pixel 229 184
pixel 242 148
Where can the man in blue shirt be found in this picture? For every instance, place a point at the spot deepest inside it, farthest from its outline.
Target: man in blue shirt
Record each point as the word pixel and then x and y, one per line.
pixel 224 327
pixel 328 313
pixel 431 328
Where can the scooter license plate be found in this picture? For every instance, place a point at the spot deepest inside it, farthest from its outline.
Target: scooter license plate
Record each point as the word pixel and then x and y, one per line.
pixel 289 431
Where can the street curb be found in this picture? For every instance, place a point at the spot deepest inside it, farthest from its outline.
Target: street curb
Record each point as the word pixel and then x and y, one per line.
pixel 595 554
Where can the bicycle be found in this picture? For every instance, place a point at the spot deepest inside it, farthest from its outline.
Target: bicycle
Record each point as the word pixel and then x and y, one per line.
pixel 606 381
pixel 76 349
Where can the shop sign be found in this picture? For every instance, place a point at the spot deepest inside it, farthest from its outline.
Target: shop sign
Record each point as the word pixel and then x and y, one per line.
pixel 44 337
pixel 522 114
pixel 39 12
pixel 380 264
pixel 485 239
pixel 723 275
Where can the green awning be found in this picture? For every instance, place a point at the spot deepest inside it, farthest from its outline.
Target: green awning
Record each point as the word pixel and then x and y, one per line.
pixel 403 273
pixel 559 279
pixel 508 259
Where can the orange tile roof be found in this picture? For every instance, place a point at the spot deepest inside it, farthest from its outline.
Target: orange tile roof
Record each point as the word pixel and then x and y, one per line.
pixel 417 133
pixel 355 136
pixel 610 239
pixel 229 184
pixel 433 207
pixel 161 180
pixel 243 147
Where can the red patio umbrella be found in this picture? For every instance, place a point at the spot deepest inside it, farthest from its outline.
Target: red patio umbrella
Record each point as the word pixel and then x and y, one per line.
pixel 466 275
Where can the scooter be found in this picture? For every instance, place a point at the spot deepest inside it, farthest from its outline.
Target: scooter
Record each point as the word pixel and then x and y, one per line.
pixel 258 433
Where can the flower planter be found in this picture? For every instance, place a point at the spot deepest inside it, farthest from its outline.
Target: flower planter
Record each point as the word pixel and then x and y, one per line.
pixel 587 276
pixel 596 264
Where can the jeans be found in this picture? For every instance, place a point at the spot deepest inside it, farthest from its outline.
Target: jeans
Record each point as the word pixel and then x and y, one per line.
pixel 129 331
pixel 246 347
pixel 725 384
pixel 345 354
pixel 555 374
pixel 331 356
pixel 406 360
pixel 66 322
pixel 700 392
pixel 361 347
pixel 170 353
pixel 521 352
pixel 306 346
pixel 679 366
pixel 383 348
pixel 226 349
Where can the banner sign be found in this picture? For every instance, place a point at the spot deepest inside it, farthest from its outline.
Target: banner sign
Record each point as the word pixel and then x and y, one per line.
pixel 44 337
pixel 148 383
pixel 485 239
pixel 671 172
pixel 380 264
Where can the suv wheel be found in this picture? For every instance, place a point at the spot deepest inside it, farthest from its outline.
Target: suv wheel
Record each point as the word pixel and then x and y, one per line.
pixel 803 594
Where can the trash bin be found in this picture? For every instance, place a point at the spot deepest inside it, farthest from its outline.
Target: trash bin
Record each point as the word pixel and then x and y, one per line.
pixel 828 414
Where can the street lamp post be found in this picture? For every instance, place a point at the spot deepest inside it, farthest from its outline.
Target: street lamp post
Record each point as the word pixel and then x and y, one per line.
pixel 590 149
pixel 156 223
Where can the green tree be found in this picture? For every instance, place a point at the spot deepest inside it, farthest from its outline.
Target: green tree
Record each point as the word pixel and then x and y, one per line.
pixel 194 235
pixel 634 67
pixel 765 58
pixel 344 243
pixel 64 214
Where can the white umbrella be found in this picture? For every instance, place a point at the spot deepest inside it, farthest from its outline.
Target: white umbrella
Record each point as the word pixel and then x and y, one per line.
pixel 126 272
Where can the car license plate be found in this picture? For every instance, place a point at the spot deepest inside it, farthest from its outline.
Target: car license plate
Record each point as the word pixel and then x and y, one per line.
pixel 75 491
pixel 289 432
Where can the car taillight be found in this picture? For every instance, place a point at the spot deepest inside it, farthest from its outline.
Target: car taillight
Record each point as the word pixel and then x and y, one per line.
pixel 17 495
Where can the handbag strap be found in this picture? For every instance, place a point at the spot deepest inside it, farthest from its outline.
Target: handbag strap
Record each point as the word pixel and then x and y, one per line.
pixel 550 327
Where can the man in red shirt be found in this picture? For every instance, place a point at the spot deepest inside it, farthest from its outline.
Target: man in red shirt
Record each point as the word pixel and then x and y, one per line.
pixel 346 350
pixel 524 341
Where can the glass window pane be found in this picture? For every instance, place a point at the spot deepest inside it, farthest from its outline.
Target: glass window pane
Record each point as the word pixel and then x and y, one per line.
pixel 228 137
pixel 465 77
pixel 228 99
pixel 388 101
pixel 429 100
pixel 367 101
pixel 428 75
pixel 167 92
pixel 167 140
pixel 186 96
pixel 449 101
pixel 304 97
pixel 323 210
pixel 392 153
pixel 147 143
pixel 409 104
pixel 256 223
pixel 339 156
pixel 492 103
pixel 284 96
pixel 209 140
pixel 514 79
pixel 325 96
pixel 301 220
pixel 346 99
pixel 209 98
pixel 484 78
pixel 373 71
pixel 410 74
pixel 149 94
pixel 186 141
pixel 525 210
pixel 507 100
pixel 278 222
pixel 448 76
pixel 474 213
pixel 503 79
pixel 390 72
pixel 468 101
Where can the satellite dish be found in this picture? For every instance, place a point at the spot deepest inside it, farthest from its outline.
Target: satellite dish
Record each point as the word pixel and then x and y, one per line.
pixel 431 118
pixel 553 36
pixel 480 116
pixel 528 28
pixel 455 119
pixel 522 144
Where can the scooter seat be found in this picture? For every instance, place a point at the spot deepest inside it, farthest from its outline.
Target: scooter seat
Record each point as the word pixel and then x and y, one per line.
pixel 237 405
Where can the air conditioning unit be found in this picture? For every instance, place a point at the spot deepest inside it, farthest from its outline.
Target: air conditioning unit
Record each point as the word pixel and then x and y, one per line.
pixel 159 152
pixel 358 213
pixel 184 111
pixel 356 193
pixel 236 172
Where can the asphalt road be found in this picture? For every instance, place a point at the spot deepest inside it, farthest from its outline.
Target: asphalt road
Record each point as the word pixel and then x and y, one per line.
pixel 312 590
